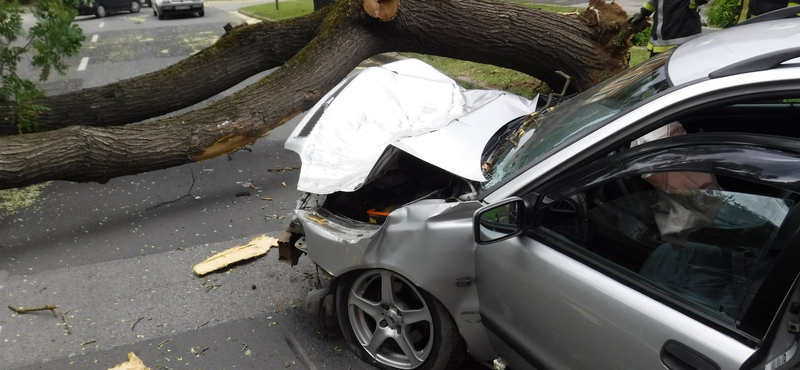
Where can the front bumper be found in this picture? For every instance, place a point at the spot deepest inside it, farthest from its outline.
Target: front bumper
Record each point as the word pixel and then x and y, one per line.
pixel 184 7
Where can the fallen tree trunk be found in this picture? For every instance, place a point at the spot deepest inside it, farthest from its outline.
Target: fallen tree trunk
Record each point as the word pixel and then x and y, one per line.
pixel 504 34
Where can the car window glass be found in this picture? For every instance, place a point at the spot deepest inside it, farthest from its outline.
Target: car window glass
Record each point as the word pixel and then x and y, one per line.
pixel 703 239
pixel 775 116
pixel 544 132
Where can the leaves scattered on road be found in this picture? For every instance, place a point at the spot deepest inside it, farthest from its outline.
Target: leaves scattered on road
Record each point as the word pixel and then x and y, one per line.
pixel 14 200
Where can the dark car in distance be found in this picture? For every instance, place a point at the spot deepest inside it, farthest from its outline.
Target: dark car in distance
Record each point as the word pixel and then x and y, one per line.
pixel 101 8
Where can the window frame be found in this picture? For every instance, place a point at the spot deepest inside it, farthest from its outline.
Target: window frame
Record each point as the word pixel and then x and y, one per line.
pixel 773 147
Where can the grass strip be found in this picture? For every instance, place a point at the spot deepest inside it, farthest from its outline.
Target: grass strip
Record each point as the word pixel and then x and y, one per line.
pixel 280 10
pixel 472 75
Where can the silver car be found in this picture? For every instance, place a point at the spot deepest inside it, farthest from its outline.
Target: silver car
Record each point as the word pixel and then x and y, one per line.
pixel 647 223
pixel 163 8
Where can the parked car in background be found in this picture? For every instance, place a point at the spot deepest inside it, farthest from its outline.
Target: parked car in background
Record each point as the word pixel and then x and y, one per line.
pixel 162 8
pixel 649 222
pixel 101 8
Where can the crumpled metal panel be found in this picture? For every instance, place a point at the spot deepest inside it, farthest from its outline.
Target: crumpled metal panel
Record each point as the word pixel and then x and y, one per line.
pixel 387 105
pixel 429 242
pixel 457 148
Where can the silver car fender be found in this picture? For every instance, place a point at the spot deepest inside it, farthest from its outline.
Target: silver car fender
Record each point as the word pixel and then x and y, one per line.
pixel 429 242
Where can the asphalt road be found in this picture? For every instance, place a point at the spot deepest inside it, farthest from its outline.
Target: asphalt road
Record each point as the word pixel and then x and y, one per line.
pixel 117 258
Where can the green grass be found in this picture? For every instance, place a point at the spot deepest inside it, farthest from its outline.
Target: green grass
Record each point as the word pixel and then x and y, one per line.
pixel 485 75
pixel 638 55
pixel 548 7
pixel 286 9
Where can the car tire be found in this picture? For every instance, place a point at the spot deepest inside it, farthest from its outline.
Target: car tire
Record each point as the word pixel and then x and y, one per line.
pixel 201 13
pixel 100 12
pixel 160 15
pixel 135 7
pixel 372 324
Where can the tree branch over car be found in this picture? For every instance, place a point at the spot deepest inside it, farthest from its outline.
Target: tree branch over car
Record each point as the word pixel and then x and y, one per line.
pixel 83 141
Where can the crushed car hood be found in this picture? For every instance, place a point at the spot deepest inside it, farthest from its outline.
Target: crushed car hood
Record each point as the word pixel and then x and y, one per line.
pixel 407 104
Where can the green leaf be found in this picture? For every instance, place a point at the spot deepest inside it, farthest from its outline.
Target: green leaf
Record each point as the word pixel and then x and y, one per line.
pixel 52 39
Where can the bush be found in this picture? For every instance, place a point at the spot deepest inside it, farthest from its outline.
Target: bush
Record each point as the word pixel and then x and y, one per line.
pixel 721 13
pixel 641 38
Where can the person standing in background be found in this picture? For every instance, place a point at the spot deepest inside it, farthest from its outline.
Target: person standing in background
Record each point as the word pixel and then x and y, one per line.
pixel 750 8
pixel 674 22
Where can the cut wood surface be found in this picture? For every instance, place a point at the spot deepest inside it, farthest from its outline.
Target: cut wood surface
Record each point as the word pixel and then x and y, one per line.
pixel 133 363
pixel 257 247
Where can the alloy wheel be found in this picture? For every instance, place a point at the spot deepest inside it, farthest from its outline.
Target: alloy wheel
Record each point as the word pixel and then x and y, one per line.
pixel 390 319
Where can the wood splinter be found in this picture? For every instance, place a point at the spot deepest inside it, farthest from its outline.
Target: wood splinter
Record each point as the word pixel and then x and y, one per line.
pixel 52 309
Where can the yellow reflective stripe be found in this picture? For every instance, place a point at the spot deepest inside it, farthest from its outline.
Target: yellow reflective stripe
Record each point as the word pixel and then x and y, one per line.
pixel 649 6
pixel 793 4
pixel 745 10
pixel 659 49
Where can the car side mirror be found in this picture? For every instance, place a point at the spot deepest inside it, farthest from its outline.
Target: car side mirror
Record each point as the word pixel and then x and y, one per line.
pixel 499 221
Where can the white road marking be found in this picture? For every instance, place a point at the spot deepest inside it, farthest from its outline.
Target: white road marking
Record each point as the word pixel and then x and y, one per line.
pixel 102 24
pixel 94 38
pixel 84 63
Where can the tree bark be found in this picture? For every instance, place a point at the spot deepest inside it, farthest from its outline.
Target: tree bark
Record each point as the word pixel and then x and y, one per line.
pixel 504 34
pixel 237 55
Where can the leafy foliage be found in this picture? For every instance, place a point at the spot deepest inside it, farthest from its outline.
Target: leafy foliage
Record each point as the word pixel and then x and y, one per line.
pixel 641 38
pixel 721 13
pixel 45 45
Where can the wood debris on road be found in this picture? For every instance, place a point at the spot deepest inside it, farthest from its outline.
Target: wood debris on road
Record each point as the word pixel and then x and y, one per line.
pixel 52 309
pixel 133 363
pixel 257 247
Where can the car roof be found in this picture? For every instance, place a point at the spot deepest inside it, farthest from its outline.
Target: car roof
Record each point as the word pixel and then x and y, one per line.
pixel 735 50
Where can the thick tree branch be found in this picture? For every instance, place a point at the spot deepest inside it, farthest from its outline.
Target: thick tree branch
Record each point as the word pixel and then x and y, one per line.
pixel 80 153
pixel 480 30
pixel 528 40
pixel 237 55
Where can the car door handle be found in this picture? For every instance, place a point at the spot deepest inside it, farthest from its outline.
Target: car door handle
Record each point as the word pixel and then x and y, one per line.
pixel 677 356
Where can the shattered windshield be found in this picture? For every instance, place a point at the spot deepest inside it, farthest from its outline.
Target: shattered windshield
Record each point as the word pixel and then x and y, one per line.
pixel 545 132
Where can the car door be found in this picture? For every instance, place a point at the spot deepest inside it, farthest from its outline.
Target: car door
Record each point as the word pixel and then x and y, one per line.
pixel 650 258
pixel 116 5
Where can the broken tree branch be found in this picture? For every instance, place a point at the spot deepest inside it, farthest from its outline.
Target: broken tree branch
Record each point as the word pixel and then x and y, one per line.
pixel 137 321
pixel 66 325
pixel 52 309
pixel 529 40
pixel 236 56
pixel 163 342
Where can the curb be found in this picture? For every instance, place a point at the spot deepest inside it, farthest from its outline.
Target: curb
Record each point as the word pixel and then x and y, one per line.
pixel 256 16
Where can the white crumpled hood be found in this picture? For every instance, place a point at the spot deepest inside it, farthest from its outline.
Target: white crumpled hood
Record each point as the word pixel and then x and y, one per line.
pixel 408 104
